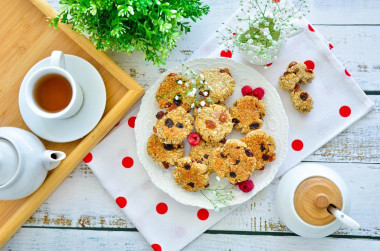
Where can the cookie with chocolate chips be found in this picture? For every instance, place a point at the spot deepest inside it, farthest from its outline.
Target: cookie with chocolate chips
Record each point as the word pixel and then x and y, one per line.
pixel 301 100
pixel 191 175
pixel 174 126
pixel 262 147
pixel 248 113
pixel 164 154
pixel 204 152
pixel 234 161
pixel 175 91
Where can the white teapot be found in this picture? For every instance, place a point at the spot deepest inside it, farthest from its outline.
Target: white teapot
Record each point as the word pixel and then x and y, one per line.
pixel 24 163
pixel 313 201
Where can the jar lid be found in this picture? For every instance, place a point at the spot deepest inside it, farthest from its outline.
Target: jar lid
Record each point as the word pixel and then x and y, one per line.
pixel 8 161
pixel 313 196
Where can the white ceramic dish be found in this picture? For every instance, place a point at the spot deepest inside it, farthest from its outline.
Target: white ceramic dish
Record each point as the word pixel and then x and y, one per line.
pixel 275 124
pixel 79 125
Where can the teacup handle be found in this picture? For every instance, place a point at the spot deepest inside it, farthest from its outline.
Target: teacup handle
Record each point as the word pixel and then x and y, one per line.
pixel 57 59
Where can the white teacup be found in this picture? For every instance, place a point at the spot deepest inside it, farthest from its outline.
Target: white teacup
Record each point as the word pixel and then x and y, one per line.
pixel 57 66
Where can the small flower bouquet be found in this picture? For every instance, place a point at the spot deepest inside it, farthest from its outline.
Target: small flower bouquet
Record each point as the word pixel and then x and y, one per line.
pixel 263 27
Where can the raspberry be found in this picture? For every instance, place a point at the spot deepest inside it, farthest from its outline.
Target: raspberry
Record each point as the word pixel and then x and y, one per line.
pixel 246 90
pixel 194 138
pixel 246 186
pixel 258 93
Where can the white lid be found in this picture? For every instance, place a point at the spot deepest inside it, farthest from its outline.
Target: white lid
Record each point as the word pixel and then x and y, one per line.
pixel 8 161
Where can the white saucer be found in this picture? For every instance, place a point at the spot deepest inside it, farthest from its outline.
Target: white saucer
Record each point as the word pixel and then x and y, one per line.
pixel 76 127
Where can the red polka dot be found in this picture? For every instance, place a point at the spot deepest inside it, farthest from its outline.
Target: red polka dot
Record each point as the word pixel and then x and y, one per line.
pixel 234 33
pixel 161 208
pixel 156 247
pixel 309 64
pixel 226 53
pixel 310 28
pixel 88 158
pixel 297 145
pixel 276 1
pixel 269 64
pixel 121 202
pixel 347 73
pixel 127 162
pixel 345 111
pixel 331 46
pixel 131 121
pixel 202 214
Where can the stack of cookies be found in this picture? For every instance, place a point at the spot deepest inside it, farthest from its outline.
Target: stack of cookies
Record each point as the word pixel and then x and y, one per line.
pixel 296 74
pixel 212 121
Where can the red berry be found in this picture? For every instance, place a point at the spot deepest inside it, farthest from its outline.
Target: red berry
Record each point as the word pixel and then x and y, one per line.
pixel 246 186
pixel 258 93
pixel 194 138
pixel 246 90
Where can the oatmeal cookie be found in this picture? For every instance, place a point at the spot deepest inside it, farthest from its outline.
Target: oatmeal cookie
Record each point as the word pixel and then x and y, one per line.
pixel 288 81
pixel 304 74
pixel 205 102
pixel 164 154
pixel 301 100
pixel 234 161
pixel 191 175
pixel 262 147
pixel 173 127
pixel 175 91
pixel 213 123
pixel 204 152
pixel 216 84
pixel 248 113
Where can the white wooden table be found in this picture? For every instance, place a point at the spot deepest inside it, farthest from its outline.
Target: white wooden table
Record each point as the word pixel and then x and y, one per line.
pixel 81 216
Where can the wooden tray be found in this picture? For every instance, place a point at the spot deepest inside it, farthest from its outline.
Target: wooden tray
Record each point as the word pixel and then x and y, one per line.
pixel 26 38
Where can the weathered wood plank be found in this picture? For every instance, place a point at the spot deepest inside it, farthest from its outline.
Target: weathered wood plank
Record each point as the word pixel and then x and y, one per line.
pixel 49 239
pixel 82 202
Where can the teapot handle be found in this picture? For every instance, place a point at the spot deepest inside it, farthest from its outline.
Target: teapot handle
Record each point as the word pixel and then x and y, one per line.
pixel 344 218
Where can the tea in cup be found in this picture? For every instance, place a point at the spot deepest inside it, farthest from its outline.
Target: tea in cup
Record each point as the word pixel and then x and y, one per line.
pixel 52 92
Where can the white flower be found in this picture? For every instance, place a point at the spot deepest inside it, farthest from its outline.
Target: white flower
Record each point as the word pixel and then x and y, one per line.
pixel 202 76
pixel 176 97
pixel 205 93
pixel 179 81
pixel 247 36
pixel 203 103
pixel 250 41
pixel 192 92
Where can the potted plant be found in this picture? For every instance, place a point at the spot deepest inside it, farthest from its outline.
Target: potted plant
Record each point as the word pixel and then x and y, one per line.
pixel 150 26
pixel 262 28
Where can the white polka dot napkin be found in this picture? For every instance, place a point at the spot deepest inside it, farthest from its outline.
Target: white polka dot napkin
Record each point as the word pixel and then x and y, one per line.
pixel 169 225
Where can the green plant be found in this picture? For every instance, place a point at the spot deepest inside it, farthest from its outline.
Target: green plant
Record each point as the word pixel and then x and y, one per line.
pixel 150 26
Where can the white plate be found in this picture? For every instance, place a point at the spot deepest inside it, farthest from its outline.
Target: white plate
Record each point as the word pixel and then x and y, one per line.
pixel 275 124
pixel 76 127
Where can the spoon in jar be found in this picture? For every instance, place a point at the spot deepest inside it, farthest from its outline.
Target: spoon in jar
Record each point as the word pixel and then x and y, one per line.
pixel 343 218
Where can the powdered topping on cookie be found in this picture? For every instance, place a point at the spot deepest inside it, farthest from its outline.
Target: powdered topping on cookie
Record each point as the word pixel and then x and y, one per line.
pixel 217 84
pixel 213 123
pixel 175 91
pixel 165 155
pixel 234 161
pixel 247 114
pixel 191 175
pixel 204 152
pixel 301 100
pixel 262 147
pixel 173 127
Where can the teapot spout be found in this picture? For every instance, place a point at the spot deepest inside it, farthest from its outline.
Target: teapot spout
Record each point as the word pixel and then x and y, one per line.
pixel 51 159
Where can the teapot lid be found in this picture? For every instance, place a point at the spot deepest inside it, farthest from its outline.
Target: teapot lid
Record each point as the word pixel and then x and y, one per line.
pixel 313 196
pixel 8 161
